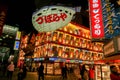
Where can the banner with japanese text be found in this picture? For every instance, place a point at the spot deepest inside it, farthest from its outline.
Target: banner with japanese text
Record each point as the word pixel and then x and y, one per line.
pixel 111 18
pixel 96 19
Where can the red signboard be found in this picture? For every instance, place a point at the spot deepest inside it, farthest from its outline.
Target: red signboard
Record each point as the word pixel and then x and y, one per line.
pixel 96 19
pixel 3 11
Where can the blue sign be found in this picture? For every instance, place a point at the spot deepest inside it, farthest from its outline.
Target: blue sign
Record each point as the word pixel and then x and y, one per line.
pixel 111 19
pixel 80 61
pixel 39 59
pixel 36 59
pixel 16 45
pixel 53 59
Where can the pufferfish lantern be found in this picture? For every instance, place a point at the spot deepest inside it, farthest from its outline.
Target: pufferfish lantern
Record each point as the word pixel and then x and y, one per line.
pixel 50 18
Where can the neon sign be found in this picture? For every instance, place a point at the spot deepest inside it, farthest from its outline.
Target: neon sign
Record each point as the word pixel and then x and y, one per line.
pixel 50 18
pixel 96 19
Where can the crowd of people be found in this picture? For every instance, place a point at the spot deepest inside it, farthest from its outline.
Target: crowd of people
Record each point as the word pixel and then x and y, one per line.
pixel 7 69
pixel 86 72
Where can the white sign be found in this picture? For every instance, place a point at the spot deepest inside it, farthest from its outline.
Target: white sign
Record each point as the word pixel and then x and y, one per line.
pixel 51 18
pixel 11 30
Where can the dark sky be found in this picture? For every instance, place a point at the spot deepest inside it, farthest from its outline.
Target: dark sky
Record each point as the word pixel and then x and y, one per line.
pixel 20 14
pixel 20 11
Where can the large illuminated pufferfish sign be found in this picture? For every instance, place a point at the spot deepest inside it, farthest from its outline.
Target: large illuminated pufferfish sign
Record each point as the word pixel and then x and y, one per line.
pixel 50 18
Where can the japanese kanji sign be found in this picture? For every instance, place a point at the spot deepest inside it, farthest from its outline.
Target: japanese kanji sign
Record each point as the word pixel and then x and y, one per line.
pixel 96 19
pixel 51 18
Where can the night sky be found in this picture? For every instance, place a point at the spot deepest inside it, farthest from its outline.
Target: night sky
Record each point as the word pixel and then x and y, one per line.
pixel 20 11
pixel 20 14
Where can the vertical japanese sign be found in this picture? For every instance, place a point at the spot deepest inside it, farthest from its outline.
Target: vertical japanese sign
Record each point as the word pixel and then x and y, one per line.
pixel 3 11
pixel 111 18
pixel 96 19
pixel 107 18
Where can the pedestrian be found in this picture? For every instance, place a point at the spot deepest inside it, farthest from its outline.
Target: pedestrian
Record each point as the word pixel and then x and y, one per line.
pixel 4 69
pixel 20 74
pixel 24 71
pixel 64 72
pixel 71 69
pixel 41 72
pixel 10 69
pixel 114 75
pixel 30 68
pixel 91 72
pixel 84 73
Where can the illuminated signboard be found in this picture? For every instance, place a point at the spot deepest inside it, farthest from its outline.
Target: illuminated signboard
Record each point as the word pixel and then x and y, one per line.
pixel 111 19
pixel 72 61
pixel 42 58
pixel 107 18
pixel 39 59
pixel 80 61
pixel 96 21
pixel 50 18
pixel 67 60
pixel 62 60
pixel 36 59
pixel 53 59
pixel 11 30
pixel 16 45
pixel 18 35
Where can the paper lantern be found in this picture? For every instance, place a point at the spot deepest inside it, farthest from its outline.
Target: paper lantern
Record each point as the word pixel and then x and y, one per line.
pixel 50 18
